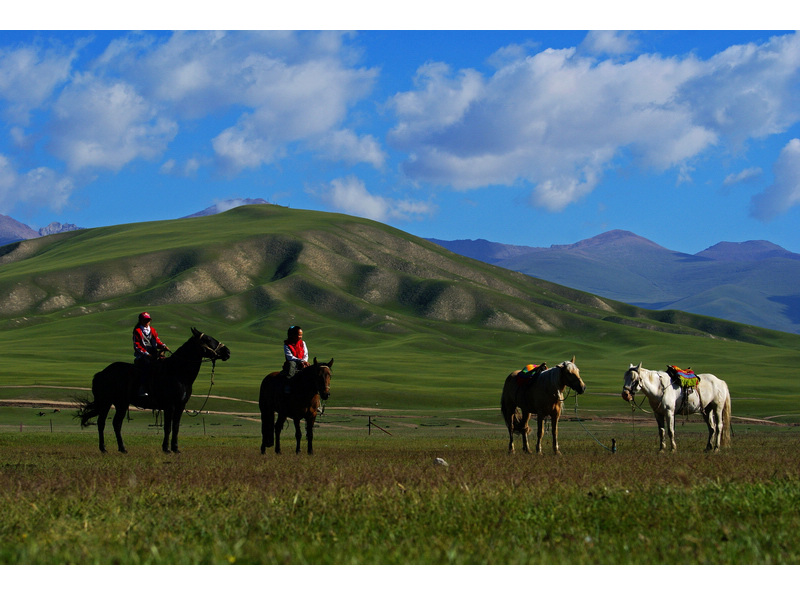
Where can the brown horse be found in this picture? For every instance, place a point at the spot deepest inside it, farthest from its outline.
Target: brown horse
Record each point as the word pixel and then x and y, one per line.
pixel 542 396
pixel 309 387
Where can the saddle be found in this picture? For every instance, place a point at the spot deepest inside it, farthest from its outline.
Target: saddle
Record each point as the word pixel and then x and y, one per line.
pixel 686 379
pixel 529 373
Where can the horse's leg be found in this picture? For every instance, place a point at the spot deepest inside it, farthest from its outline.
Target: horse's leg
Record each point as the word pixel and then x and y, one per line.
pixel 168 415
pixel 119 417
pixel 298 435
pixel 539 432
pixel 525 419
pixel 554 422
pixel 102 414
pixel 176 425
pixel 714 428
pixel 510 425
pixel 278 428
pixel 671 431
pixel 661 432
pixel 266 405
pixel 267 429
pixel 310 432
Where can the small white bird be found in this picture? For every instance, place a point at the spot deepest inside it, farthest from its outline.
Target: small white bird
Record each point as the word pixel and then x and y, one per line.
pixel 440 461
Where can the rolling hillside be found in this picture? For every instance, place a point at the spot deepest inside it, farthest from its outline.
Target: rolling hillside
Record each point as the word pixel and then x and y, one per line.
pixel 749 282
pixel 405 318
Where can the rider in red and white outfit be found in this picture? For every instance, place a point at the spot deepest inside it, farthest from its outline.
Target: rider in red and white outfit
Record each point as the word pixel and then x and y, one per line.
pixel 146 343
pixel 146 346
pixel 295 351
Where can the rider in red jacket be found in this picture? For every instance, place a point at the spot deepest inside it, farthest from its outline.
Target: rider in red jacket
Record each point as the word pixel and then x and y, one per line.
pixel 146 343
pixel 295 351
pixel 146 347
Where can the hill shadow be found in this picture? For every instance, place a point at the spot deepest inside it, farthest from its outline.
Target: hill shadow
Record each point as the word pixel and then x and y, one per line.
pixel 791 305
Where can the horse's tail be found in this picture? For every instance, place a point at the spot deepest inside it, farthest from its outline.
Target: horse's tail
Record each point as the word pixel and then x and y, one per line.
pixel 508 406
pixel 267 404
pixel 725 439
pixel 103 386
pixel 87 409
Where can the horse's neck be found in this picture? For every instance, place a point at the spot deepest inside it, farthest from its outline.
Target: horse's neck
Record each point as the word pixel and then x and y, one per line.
pixel 551 378
pixel 652 383
pixel 185 362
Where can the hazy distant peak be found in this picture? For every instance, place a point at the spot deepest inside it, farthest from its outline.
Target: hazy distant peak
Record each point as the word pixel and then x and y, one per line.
pixel 616 238
pixel 56 227
pixel 226 205
pixel 747 251
pixel 12 230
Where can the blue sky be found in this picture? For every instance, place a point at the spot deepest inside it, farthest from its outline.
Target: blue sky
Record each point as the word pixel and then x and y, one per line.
pixel 530 137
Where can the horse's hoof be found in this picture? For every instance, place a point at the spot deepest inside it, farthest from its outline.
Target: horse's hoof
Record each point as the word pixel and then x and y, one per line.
pixel 166 451
pixel 263 450
pixel 176 451
pixel 123 451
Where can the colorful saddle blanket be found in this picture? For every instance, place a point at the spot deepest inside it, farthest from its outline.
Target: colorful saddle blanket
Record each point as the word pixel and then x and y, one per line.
pixel 686 378
pixel 529 372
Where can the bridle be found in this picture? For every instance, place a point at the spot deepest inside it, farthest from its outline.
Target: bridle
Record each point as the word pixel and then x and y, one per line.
pixel 214 353
pixel 632 388
pixel 323 384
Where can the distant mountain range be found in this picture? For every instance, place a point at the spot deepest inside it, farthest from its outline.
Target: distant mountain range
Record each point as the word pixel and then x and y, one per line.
pixel 12 230
pixel 753 282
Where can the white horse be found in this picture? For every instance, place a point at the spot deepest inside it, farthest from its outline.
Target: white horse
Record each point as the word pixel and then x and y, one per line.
pixel 710 397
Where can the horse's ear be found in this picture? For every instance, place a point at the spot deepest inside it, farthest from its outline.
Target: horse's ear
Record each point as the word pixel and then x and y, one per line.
pixel 330 363
pixel 315 361
pixel 573 359
pixel 195 332
pixel 639 366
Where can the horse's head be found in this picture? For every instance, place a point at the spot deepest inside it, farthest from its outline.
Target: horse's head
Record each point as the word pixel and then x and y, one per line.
pixel 633 382
pixel 322 377
pixel 571 376
pixel 210 347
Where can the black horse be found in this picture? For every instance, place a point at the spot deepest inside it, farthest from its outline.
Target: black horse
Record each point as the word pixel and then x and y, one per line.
pixel 309 387
pixel 169 389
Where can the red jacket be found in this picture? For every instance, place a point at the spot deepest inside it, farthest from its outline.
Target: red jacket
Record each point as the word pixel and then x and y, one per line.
pixel 142 344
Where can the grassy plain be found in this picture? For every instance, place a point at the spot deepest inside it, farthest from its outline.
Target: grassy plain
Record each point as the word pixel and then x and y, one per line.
pixel 383 500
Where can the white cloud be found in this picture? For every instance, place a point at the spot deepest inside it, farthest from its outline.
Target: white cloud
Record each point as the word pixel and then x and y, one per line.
pixel 351 196
pixel 28 78
pixel 287 87
pixel 106 124
pixel 36 188
pixel 784 193
pixel 746 175
pixel 558 119
pixel 347 147
pixel 614 43
pixel 293 103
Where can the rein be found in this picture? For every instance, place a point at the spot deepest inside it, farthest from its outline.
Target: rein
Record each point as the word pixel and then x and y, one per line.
pixel 213 359
pixel 213 366
pixel 612 449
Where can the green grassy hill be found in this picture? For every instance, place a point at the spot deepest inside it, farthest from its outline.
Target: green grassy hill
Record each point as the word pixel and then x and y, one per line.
pixel 410 324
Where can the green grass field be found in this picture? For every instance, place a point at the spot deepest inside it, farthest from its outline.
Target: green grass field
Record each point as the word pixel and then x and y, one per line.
pixel 383 500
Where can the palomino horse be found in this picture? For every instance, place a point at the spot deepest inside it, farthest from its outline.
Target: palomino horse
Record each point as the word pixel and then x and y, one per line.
pixel 542 396
pixel 308 388
pixel 170 388
pixel 710 397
